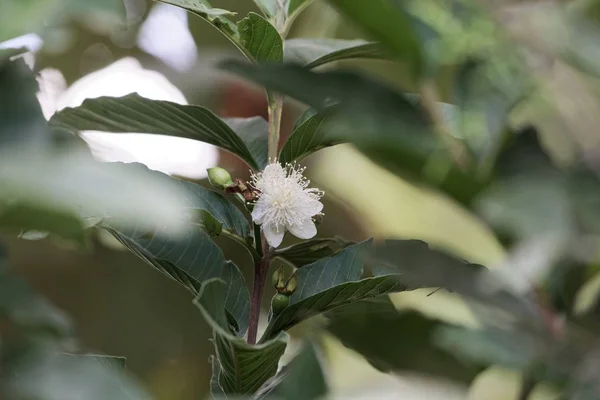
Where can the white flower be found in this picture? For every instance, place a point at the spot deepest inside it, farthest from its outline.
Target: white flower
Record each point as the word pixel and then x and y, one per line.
pixel 285 203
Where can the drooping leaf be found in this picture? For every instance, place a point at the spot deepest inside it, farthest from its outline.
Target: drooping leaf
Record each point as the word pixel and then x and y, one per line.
pixel 311 135
pixel 260 39
pixel 301 379
pixel 332 282
pixel 391 128
pixel 309 251
pixel 316 52
pixel 136 114
pixel 243 368
pixel 395 341
pixel 202 8
pixel 387 22
pixel 253 132
pixel 190 261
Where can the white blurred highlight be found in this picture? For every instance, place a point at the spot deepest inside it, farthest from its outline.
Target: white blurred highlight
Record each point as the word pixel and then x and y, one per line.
pixel 174 156
pixel 165 35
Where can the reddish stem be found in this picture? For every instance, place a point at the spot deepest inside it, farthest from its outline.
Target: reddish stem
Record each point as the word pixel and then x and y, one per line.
pixel 261 268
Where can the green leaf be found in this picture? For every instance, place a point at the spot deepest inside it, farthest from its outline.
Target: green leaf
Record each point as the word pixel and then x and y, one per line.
pixel 191 261
pixel 253 132
pixel 260 39
pixel 315 52
pixel 394 341
pixel 243 368
pixel 391 128
pixel 311 135
pixel 387 22
pixel 329 283
pixel 202 8
pixel 309 251
pixel 136 114
pixel 301 379
pixel 290 7
pixel 209 223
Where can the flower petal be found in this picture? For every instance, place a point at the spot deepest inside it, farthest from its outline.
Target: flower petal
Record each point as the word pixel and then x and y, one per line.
pixel 259 212
pixel 274 234
pixel 305 230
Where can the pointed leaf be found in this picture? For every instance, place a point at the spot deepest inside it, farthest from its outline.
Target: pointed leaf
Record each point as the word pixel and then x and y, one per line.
pixel 329 283
pixel 136 114
pixel 391 128
pixel 291 8
pixel 311 135
pixel 243 368
pixel 191 261
pixel 309 251
pixel 202 8
pixel 253 132
pixel 301 379
pixel 315 52
pixel 260 39
pixel 387 22
pixel 395 341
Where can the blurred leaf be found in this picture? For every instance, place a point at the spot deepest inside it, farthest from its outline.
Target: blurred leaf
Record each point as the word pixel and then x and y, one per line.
pixel 389 127
pixel 24 308
pixel 191 261
pixel 315 52
pixel 329 283
pixel 8 53
pixel 209 223
pixel 34 235
pixel 310 136
pixel 109 361
pixel 309 251
pixel 387 22
pixel 260 39
pixel 136 114
pixel 301 379
pixel 243 367
pixel 395 341
pixel 47 376
pixel 253 132
pixel 21 17
pixel 31 218
pixel 21 120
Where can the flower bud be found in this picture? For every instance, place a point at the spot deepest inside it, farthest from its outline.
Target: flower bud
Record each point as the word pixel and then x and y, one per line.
pixel 278 279
pixel 290 286
pixel 279 303
pixel 219 177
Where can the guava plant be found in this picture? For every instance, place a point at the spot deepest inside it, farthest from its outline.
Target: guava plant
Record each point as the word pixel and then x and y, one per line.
pixel 466 148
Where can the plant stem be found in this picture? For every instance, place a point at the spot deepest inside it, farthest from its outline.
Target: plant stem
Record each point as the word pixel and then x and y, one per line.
pixel 261 268
pixel 275 110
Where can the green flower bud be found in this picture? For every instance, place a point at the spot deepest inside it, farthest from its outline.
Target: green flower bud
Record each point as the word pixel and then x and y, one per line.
pixel 290 286
pixel 219 177
pixel 279 303
pixel 278 279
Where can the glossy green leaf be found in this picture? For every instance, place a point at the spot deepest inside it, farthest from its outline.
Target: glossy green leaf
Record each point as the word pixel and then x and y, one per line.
pixel 315 52
pixel 136 114
pixel 253 132
pixel 332 282
pixel 301 379
pixel 391 128
pixel 387 22
pixel 243 368
pixel 395 341
pixel 311 135
pixel 309 251
pixel 260 39
pixel 191 261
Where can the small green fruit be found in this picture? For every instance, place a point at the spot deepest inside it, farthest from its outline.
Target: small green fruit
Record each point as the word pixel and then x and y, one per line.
pixel 279 303
pixel 219 177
